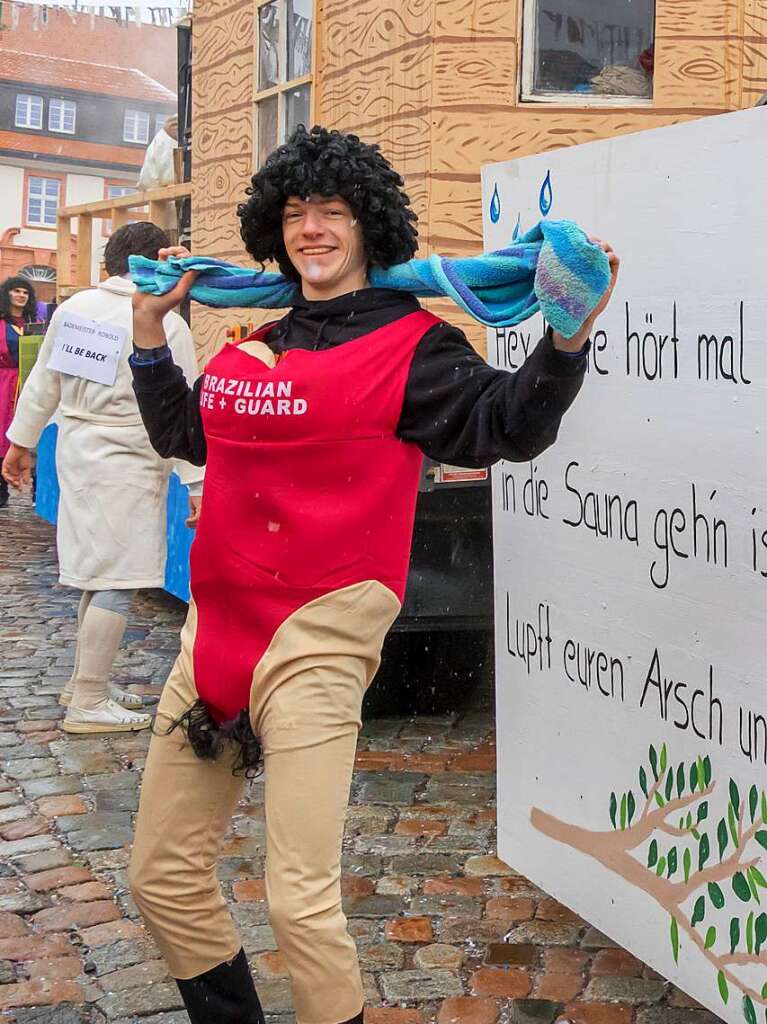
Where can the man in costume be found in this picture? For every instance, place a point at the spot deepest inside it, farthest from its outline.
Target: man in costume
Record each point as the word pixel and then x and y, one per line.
pixel 112 508
pixel 312 431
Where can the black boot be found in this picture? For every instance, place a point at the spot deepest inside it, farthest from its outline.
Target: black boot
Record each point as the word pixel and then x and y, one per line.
pixel 355 1020
pixel 3 493
pixel 223 995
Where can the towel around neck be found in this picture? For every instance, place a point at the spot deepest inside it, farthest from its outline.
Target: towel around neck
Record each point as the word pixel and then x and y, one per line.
pixel 552 268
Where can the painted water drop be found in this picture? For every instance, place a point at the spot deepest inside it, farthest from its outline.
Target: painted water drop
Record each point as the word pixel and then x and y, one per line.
pixel 495 206
pixel 517 228
pixel 547 195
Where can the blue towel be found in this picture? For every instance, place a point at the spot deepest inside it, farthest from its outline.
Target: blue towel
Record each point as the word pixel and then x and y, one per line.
pixel 553 267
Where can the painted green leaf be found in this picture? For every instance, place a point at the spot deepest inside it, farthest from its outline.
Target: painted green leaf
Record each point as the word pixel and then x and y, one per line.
pixel 753 801
pixel 741 887
pixel 710 937
pixel 661 868
pixel 613 810
pixel 734 795
pixel 623 812
pixel 680 780
pixel 764 990
pixel 733 824
pixel 663 758
pixel 703 811
pixel 689 820
pixel 701 775
pixel 722 838
pixel 654 762
pixel 652 854
pixel 704 849
pixel 699 910
pixel 759 877
pixel 750 933
pixel 695 834
pixel 760 931
pixel 724 991
pixel 675 939
pixel 716 895
pixel 687 863
pixel 631 806
pixel 752 885
pixel 669 785
pixel 764 807
pixel 659 800
pixel 643 780
pixel 748 1010
pixel 761 838
pixel 693 777
pixel 672 862
pixel 707 770
pixel 734 933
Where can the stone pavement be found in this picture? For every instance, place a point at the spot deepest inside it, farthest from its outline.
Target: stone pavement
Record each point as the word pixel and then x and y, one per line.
pixel 446 932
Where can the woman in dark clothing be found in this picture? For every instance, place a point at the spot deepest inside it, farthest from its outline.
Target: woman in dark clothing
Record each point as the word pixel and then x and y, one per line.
pixel 18 307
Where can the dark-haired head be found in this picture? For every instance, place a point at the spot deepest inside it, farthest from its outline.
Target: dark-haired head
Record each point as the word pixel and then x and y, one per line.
pixel 140 239
pixel 329 163
pixel 8 309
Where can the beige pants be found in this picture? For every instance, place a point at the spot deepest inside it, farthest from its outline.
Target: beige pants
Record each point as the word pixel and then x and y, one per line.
pixel 305 707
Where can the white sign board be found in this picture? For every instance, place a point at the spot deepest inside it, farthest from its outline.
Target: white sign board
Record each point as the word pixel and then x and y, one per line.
pixel 86 348
pixel 631 564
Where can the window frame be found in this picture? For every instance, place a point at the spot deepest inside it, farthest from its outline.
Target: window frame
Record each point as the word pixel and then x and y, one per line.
pixel 282 88
pixel 29 174
pixel 28 96
pixel 148 115
pixel 62 100
pixel 527 28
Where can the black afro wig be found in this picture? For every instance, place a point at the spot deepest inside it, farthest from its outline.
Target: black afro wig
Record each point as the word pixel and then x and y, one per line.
pixel 329 163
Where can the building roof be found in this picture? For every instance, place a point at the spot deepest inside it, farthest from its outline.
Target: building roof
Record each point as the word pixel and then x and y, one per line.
pixel 82 76
pixel 65 150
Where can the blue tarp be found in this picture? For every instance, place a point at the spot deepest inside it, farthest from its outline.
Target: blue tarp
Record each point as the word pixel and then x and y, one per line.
pixel 180 537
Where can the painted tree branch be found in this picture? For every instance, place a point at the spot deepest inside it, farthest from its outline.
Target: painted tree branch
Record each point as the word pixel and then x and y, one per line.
pixel 611 849
pixel 720 963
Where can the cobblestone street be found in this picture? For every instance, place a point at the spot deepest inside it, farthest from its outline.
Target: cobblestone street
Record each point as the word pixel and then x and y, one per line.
pixel 446 932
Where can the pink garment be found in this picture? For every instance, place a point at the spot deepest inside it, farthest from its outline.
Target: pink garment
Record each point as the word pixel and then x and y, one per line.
pixel 9 376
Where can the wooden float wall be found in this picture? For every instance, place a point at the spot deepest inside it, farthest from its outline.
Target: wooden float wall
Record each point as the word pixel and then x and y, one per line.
pixel 436 84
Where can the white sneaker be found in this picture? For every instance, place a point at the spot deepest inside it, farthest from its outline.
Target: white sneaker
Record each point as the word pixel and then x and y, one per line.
pixel 119 696
pixel 107 717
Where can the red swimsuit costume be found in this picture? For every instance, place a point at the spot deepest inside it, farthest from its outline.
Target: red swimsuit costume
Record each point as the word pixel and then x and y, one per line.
pixel 308 490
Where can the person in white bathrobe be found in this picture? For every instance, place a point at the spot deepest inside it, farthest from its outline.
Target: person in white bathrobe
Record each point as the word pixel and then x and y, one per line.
pixel 112 509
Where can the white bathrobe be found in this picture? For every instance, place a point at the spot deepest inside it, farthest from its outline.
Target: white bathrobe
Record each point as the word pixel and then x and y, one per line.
pixel 112 510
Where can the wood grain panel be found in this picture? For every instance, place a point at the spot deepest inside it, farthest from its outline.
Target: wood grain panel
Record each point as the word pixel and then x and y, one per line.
pixel 694 18
pixel 229 133
pixel 230 84
pixel 754 59
pixel 218 38
pixel 698 75
pixel 355 33
pixel 407 73
pixel 474 72
pixel 455 225
pixel 478 18
pixel 222 144
pixel 465 140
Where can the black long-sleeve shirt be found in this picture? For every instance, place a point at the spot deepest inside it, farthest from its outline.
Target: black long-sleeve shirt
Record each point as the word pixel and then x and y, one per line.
pixel 457 408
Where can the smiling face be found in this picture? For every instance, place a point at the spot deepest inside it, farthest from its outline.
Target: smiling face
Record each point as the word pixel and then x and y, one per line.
pixel 324 243
pixel 19 298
